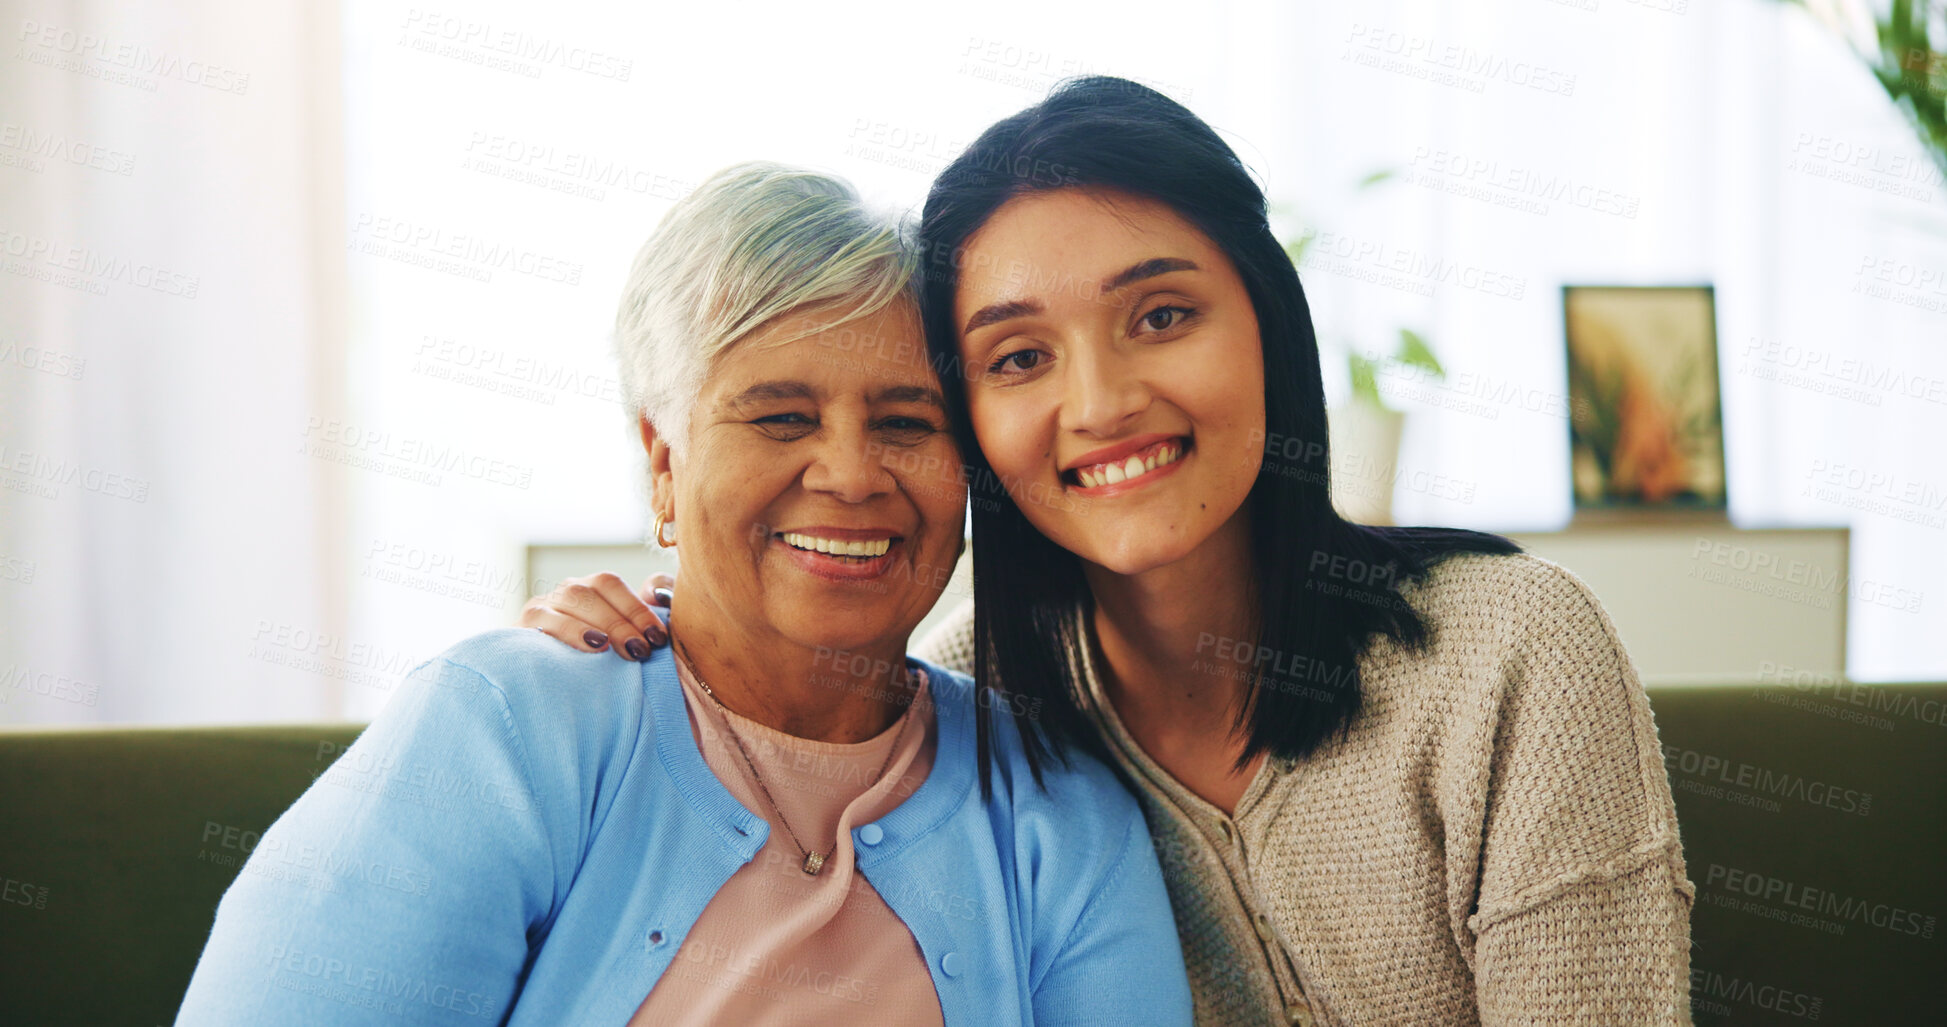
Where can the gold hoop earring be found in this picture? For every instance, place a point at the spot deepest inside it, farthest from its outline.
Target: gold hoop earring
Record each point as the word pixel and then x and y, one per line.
pixel 660 540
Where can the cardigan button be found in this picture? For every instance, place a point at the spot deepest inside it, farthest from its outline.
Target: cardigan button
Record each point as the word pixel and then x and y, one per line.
pixel 871 834
pixel 950 964
pixel 1298 1016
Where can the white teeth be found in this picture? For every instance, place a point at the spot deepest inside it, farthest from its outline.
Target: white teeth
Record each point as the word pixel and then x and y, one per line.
pixel 1134 467
pixel 838 547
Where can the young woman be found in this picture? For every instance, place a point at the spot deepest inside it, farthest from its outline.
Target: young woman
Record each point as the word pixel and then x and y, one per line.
pixel 1394 775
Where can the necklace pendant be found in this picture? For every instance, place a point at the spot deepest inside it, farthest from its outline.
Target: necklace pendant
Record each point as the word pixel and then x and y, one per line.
pixel 813 862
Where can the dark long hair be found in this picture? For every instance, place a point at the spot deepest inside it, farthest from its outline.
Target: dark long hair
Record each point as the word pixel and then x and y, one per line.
pixel 1324 587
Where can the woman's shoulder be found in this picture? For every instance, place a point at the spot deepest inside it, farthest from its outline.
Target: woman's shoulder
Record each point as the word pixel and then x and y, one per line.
pixel 534 671
pixel 1509 632
pixel 555 701
pixel 1511 595
pixel 1505 574
pixel 1524 642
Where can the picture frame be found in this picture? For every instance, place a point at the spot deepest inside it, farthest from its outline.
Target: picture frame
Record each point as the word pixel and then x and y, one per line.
pixel 1646 421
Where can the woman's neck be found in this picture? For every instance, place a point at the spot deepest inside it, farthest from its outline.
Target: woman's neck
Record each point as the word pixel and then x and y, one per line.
pixel 815 692
pixel 1170 638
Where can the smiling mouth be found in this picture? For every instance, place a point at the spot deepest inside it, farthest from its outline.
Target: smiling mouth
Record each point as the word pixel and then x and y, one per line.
pixel 847 550
pixel 1136 468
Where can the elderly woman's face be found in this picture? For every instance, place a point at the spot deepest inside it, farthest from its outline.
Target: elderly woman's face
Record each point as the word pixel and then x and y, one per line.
pixel 821 489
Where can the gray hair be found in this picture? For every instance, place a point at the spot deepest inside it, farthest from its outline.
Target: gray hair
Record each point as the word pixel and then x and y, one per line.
pixel 754 242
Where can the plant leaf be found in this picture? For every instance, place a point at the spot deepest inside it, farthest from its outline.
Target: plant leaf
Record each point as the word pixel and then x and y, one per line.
pixel 1295 249
pixel 1365 380
pixel 1414 352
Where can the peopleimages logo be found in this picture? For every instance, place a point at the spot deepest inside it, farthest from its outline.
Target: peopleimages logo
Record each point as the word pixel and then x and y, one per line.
pixel 89 269
pixel 102 57
pixel 23 893
pixel 509 48
pixel 1723 771
pixel 1711 988
pixel 1874 698
pixel 369 986
pixel 1882 915
pixel 1403 267
pixel 471 256
pixel 61 147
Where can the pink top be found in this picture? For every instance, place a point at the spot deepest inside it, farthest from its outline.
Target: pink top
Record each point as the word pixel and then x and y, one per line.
pixel 777 945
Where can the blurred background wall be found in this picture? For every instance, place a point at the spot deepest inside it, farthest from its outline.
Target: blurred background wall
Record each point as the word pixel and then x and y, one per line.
pixel 304 320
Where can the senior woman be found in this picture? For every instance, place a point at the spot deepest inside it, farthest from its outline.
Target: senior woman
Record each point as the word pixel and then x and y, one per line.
pixel 776 819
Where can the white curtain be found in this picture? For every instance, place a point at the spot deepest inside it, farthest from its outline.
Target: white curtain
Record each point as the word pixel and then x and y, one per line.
pixel 172 313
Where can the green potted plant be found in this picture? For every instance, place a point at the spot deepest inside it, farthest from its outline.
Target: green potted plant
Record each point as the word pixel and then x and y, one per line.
pixel 1901 50
pixel 1364 431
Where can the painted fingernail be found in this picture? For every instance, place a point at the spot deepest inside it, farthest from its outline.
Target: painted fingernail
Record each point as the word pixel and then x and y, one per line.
pixel 637 650
pixel 656 635
pixel 595 639
pixel 664 597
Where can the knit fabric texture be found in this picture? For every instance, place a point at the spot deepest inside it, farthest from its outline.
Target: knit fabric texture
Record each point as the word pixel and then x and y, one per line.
pixel 1493 841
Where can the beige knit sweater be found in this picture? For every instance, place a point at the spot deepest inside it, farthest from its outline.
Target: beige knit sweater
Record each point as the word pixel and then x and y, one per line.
pixel 1493 842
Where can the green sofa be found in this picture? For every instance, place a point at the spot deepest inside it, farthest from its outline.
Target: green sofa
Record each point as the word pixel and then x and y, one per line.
pixel 1812 823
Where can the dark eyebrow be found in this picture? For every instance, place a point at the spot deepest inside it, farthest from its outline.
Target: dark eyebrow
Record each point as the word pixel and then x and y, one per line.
pixel 1147 269
pixel 910 394
pixel 995 313
pixel 767 391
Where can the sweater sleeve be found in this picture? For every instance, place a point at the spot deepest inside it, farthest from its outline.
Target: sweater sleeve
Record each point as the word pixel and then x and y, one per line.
pixel 1583 914
pixel 406 883
pixel 951 643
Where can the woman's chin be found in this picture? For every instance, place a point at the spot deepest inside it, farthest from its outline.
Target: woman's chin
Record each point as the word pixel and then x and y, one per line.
pixel 837 630
pixel 1133 553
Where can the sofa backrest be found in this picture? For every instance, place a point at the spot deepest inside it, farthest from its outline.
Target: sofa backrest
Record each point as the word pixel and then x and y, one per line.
pixel 118 844
pixel 1812 824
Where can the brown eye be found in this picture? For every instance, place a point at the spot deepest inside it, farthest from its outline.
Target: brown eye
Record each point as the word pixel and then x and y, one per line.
pixel 1163 319
pixel 1017 362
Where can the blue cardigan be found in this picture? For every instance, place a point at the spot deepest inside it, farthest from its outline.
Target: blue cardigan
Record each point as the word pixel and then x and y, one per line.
pixel 527 833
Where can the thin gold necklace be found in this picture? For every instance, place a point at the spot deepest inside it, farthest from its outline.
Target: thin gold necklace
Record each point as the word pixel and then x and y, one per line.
pixel 813 861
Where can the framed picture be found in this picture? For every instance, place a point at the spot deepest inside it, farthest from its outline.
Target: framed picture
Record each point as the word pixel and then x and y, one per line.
pixel 1646 425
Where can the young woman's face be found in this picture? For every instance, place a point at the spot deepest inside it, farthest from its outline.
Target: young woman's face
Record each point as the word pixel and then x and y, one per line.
pixel 1114 373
